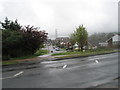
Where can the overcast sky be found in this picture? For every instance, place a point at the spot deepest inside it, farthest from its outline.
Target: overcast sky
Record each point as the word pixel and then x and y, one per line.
pixel 63 15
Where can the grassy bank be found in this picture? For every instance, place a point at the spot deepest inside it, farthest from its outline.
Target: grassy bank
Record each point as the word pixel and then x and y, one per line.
pixel 86 53
pixel 20 59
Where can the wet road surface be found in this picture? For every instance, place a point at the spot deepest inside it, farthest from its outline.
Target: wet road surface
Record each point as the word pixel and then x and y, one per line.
pixel 94 71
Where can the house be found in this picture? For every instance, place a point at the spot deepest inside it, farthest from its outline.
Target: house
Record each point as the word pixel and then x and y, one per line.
pixel 87 46
pixel 114 41
pixel 62 39
pixel 111 42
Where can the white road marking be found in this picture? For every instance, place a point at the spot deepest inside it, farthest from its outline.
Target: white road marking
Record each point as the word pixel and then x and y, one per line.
pixel 7 77
pixel 13 75
pixel 96 61
pixel 18 73
pixel 64 66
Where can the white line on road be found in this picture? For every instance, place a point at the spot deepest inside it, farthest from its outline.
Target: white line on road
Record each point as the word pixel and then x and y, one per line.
pixel 13 75
pixel 18 73
pixel 6 77
pixel 64 66
pixel 96 61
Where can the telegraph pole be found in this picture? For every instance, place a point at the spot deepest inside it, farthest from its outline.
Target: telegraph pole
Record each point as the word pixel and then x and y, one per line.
pixel 55 33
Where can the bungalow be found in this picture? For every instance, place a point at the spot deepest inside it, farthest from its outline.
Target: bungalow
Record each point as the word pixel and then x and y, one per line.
pixel 114 41
pixel 87 46
pixel 62 39
pixel 111 42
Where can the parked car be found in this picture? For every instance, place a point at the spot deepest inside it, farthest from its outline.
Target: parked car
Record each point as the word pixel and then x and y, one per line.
pixel 57 49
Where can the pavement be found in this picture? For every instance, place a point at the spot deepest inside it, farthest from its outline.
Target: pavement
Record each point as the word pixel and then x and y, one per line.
pixel 100 71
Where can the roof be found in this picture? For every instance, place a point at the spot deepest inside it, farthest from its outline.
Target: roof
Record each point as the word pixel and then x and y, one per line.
pixel 114 38
pixel 91 44
pixel 61 37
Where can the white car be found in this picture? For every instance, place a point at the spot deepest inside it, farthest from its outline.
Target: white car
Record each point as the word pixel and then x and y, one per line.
pixel 57 49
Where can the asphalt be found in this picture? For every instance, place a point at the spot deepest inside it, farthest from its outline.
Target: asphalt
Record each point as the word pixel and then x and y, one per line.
pixel 93 71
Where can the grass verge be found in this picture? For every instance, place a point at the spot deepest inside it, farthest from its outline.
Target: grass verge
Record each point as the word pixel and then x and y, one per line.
pixel 80 54
pixel 23 58
pixel 87 51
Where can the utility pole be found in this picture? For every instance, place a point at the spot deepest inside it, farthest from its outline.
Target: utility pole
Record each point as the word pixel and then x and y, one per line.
pixel 55 33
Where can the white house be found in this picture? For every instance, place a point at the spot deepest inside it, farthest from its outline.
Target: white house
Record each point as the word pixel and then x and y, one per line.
pixel 115 40
pixel 111 42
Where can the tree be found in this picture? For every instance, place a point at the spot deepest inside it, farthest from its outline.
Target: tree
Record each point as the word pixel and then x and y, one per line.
pixel 6 23
pixel 23 42
pixel 72 39
pixel 11 44
pixel 81 36
pixel 17 41
pixel 11 25
pixel 32 39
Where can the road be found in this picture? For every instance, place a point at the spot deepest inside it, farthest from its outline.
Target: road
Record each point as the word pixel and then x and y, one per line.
pixel 50 48
pixel 94 71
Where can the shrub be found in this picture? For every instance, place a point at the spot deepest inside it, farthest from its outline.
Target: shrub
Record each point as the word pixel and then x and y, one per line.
pixel 18 42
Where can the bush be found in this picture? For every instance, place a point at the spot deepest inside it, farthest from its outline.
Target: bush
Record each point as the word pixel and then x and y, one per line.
pixel 17 43
pixel 32 39
pixel 11 41
pixel 21 43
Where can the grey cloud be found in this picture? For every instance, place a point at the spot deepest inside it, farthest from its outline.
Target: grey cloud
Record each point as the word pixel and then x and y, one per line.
pixel 96 15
